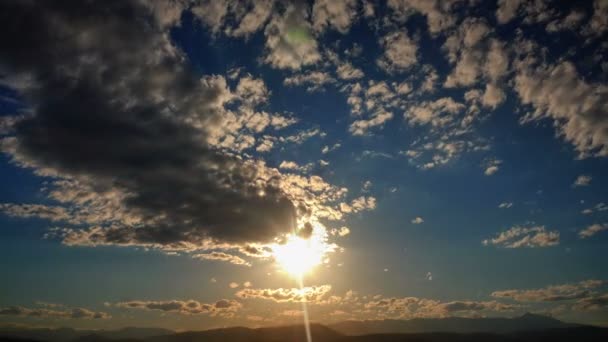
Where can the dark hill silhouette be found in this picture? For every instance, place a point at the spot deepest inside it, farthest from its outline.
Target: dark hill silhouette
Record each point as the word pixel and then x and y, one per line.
pixel 527 322
pixel 527 328
pixel 295 333
pixel 69 334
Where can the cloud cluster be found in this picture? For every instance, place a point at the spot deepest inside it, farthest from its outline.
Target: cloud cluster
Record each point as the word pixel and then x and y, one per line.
pixel 311 294
pixel 223 307
pixel 73 313
pixel 518 237
pixel 160 156
pixel 587 294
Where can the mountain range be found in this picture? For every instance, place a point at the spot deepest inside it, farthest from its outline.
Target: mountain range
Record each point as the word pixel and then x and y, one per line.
pixel 526 328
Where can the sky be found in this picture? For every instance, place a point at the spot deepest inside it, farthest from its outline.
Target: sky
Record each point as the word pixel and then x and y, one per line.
pixel 200 164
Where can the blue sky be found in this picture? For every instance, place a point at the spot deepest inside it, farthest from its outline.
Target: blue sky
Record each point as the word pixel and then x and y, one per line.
pixel 430 152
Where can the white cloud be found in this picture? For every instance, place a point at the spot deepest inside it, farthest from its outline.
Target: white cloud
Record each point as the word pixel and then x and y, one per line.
pixel 576 107
pixel 592 230
pixel 221 256
pixel 400 52
pixel 289 40
pixel 338 14
pixel 418 220
pixel 582 180
pixel 505 205
pixel 347 71
pixel 517 237
pixel 306 294
pixel 492 166
pixel 314 79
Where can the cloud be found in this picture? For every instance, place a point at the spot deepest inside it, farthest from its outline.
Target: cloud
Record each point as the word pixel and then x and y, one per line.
pixel 347 71
pixel 439 13
pixel 223 307
pixel 73 313
pixel 575 106
pixel 505 205
pixel 306 294
pixel 413 307
pixel 517 237
pixel 417 220
pixel 492 166
pixel 438 113
pixel 221 256
pixel 597 208
pixel 592 230
pixel 400 52
pixel 582 180
pixel 233 285
pixel 507 10
pixel 315 80
pixel 343 231
pixel 172 176
pixel 289 40
pixel 552 293
pixel 158 164
pixel 337 14
pixel 253 20
pixel 360 203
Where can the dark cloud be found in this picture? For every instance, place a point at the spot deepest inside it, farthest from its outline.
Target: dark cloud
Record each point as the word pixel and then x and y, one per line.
pixel 116 107
pixel 190 307
pixel 74 313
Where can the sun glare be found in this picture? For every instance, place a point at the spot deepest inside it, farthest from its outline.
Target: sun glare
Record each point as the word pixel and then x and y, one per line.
pixel 298 256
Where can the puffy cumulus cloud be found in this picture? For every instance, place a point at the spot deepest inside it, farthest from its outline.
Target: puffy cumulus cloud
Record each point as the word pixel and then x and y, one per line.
pixel 172 176
pixel 221 256
pixel 373 104
pixel 289 40
pixel 314 80
pixel 554 293
pixel 311 294
pixel 507 10
pixel 439 13
pixel 418 220
pixel 337 14
pixel 250 21
pixel 400 52
pixel 592 230
pixel 233 18
pixel 73 313
pixel 359 204
pixel 476 56
pixel 347 71
pixel 492 166
pixel 582 180
pixel 362 127
pixel 576 107
pixel 517 237
pixel 223 307
pixel 342 231
pixel 438 113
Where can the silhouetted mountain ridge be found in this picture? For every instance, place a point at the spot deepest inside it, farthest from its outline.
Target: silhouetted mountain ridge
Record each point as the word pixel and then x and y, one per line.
pixel 527 322
pixel 526 328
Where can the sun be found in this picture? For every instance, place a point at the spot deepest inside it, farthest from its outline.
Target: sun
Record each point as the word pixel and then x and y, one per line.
pixel 298 256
